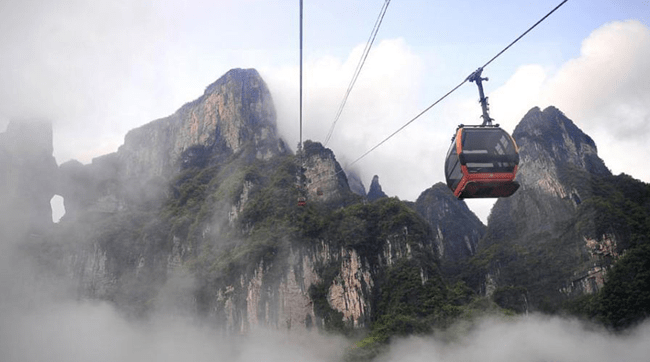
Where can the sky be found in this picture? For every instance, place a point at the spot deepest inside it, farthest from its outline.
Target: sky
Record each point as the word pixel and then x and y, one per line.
pixel 100 69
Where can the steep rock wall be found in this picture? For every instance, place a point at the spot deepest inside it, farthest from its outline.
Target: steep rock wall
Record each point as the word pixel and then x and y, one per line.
pixel 324 177
pixel 536 229
pixel 235 110
pixel 457 230
pixel 278 294
pixel 211 192
pixel 234 113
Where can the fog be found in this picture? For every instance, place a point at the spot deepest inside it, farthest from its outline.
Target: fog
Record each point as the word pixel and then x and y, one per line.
pixel 528 338
pixel 41 319
pixel 87 331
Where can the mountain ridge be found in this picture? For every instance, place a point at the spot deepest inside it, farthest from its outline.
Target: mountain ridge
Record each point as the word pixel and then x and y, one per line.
pixel 212 191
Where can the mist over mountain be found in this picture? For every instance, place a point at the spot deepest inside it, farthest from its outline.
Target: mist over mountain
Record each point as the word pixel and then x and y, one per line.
pixel 196 217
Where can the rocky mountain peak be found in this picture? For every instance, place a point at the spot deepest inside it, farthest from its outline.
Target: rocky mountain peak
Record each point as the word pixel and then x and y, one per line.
pixel 375 192
pixel 325 178
pixel 550 144
pixel 537 227
pixel 234 118
pixel 551 132
pixel 550 147
pixel 456 228
pixel 234 112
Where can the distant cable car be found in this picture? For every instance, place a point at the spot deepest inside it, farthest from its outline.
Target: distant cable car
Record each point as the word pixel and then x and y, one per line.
pixel 482 161
pixel 319 191
pixel 300 184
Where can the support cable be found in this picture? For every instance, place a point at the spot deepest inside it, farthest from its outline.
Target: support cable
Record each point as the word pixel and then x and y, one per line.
pixel 300 142
pixel 357 71
pixel 458 86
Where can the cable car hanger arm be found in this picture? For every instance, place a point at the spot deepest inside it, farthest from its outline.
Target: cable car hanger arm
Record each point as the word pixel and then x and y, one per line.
pixel 476 77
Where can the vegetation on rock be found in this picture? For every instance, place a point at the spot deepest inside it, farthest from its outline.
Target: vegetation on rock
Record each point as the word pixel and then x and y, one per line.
pixel 227 213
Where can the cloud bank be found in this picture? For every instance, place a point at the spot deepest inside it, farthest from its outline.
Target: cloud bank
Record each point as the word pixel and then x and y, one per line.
pixel 605 91
pixel 528 339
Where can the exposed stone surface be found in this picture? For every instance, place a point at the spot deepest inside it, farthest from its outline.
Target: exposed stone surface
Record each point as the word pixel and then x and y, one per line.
pixel 375 192
pixel 285 302
pixel 277 293
pixel 324 177
pixel 350 291
pixel 211 191
pixel 457 230
pixel 549 144
pixel 234 111
pixel 531 240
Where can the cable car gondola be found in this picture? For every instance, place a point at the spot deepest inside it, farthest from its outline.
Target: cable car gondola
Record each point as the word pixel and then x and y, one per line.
pixel 482 160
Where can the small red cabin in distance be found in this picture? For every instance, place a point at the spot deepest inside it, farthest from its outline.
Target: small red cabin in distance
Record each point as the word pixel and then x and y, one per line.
pixel 482 162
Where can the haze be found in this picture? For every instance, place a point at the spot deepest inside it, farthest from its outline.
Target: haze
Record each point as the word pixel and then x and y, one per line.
pixel 40 320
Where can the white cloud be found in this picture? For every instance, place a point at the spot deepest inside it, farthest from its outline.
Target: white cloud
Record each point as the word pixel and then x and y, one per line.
pixel 95 331
pixel 535 338
pixel 100 69
pixel 606 92
pixel 510 102
pixel 383 99
pixel 42 319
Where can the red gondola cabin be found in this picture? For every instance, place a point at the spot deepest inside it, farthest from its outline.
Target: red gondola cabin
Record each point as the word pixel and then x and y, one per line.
pixel 482 162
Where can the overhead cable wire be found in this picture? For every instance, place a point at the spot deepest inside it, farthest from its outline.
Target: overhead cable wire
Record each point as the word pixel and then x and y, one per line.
pixel 524 33
pixel 456 87
pixel 300 72
pixel 357 71
pixel 300 116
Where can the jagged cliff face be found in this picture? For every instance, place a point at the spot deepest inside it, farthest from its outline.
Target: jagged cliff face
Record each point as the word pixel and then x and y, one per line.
pixel 324 178
pixel 533 241
pixel 234 111
pixel 375 192
pixel 211 191
pixel 456 229
pixel 549 145
pixel 306 286
pixel 129 214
